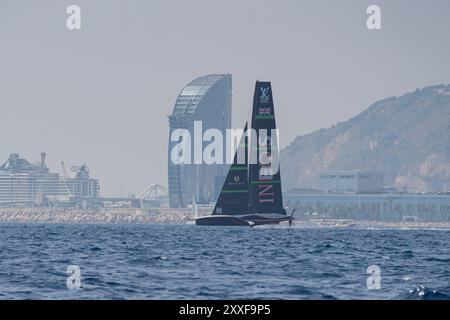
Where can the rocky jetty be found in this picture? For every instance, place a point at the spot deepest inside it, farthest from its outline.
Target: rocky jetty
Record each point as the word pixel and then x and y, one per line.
pixel 43 215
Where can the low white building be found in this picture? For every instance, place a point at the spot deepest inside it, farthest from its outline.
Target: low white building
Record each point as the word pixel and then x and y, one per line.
pixel 351 182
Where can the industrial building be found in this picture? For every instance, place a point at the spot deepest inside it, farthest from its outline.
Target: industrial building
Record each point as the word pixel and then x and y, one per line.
pixel 206 99
pixel 351 182
pixel 26 184
pixel 80 184
pixel 360 195
pixel 378 207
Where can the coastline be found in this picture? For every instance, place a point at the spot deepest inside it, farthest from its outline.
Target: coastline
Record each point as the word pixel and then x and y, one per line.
pixel 357 224
pixel 102 216
pixel 181 217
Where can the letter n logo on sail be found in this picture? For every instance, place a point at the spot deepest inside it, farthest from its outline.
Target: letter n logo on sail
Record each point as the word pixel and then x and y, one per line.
pixel 265 192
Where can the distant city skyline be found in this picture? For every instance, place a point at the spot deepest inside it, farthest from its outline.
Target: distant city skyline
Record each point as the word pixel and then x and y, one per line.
pixel 101 95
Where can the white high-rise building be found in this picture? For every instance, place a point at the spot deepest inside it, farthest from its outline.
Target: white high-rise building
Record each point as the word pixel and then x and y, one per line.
pixel 206 99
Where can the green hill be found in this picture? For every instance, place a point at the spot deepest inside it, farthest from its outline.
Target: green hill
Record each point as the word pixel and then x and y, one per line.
pixel 407 138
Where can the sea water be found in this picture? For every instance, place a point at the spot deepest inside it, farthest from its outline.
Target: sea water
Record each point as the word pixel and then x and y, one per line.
pixel 193 262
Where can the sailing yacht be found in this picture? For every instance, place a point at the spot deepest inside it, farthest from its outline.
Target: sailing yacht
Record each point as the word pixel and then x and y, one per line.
pixel 251 194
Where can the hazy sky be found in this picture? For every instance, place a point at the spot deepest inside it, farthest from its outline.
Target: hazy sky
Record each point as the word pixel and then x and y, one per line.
pixel 101 95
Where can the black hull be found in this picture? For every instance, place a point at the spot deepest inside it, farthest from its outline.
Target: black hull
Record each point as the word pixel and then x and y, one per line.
pixel 242 220
pixel 219 220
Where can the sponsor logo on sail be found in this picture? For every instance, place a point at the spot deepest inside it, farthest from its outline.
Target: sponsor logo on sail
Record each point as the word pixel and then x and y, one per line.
pixel 265 96
pixel 264 111
pixel 236 181
pixel 266 193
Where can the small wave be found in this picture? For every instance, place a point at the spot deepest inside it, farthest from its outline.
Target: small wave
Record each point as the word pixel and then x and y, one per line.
pixel 141 260
pixel 320 248
pixel 432 259
pixel 423 293
pixel 307 293
pixel 187 258
pixel 407 254
pixel 407 278
pixel 160 258
pixel 299 290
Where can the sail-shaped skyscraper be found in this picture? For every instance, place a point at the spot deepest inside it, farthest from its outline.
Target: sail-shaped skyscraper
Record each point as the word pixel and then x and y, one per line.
pixel 206 99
